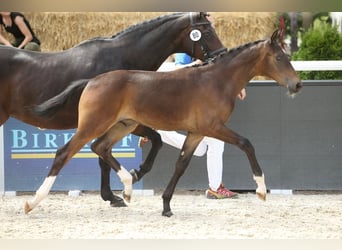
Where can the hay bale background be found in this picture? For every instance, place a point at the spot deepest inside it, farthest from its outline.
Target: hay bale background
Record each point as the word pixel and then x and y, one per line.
pixel 62 30
pixel 236 28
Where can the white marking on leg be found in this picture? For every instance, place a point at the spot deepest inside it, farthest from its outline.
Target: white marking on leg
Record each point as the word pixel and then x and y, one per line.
pixel 42 192
pixel 126 179
pixel 260 181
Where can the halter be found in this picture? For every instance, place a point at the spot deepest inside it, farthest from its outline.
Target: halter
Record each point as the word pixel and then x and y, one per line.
pixel 207 55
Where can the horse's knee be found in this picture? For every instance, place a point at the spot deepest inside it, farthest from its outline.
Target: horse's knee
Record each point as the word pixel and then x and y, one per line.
pixel 245 145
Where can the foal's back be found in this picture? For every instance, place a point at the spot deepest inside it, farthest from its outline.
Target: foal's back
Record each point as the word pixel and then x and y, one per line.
pixel 163 100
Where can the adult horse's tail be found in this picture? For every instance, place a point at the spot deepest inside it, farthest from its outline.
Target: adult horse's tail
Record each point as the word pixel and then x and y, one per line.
pixel 71 94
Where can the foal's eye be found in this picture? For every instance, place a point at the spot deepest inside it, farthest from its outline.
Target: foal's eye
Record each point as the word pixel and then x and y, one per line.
pixel 278 58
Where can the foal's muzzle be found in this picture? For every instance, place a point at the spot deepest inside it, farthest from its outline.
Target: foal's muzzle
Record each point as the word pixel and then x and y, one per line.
pixel 298 87
pixel 295 88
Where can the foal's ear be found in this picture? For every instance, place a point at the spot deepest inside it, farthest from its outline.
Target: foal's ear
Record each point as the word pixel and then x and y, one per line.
pixel 275 36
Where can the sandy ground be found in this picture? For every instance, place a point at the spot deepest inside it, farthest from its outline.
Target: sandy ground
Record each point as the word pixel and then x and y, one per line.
pixel 298 216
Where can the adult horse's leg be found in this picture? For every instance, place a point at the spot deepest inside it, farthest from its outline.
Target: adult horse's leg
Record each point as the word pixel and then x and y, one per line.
pixel 156 142
pixel 227 135
pixel 103 147
pixel 145 167
pixel 189 147
pixel 3 116
pixel 106 192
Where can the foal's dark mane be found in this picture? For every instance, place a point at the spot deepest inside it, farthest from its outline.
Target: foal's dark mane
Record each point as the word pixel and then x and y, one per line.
pixel 237 50
pixel 137 27
pixel 230 53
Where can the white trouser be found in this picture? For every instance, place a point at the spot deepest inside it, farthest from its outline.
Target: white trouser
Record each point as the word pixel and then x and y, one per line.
pixel 213 147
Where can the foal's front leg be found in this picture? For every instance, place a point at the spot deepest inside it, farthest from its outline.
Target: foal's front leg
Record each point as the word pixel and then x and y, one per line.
pixel 189 147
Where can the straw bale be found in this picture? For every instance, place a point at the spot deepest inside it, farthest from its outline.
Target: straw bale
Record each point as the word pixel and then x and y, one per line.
pixel 236 28
pixel 62 30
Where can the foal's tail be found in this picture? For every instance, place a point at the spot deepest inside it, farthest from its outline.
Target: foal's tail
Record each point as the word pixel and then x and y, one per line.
pixel 71 94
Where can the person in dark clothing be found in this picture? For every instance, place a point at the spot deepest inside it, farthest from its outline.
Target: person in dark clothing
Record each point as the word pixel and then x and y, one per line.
pixel 16 24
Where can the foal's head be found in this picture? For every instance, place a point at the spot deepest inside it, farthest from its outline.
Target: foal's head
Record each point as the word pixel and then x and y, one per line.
pixel 278 67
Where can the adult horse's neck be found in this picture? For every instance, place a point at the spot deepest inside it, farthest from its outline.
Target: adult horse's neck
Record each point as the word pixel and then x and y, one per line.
pixel 157 38
pixel 161 35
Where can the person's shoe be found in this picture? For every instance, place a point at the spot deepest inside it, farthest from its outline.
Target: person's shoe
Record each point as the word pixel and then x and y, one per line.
pixel 142 141
pixel 221 193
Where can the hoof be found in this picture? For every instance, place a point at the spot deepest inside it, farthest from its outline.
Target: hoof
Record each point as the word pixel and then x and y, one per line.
pixel 27 208
pixel 126 197
pixel 261 196
pixel 167 214
pixel 134 174
pixel 117 202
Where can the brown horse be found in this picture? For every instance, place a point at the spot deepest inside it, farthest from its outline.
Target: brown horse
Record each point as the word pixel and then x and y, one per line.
pixel 196 99
pixel 28 78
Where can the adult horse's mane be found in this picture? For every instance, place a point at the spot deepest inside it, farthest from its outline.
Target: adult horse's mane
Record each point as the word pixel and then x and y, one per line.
pixel 137 27
pixel 164 18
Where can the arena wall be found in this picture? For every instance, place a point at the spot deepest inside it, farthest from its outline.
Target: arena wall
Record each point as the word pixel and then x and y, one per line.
pixel 298 142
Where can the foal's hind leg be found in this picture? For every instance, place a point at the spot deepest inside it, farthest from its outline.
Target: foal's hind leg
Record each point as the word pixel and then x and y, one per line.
pixel 189 147
pixel 103 147
pixel 156 141
pixel 63 155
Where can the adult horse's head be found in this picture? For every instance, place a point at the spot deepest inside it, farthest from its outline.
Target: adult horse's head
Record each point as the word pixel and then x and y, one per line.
pixel 201 40
pixel 279 67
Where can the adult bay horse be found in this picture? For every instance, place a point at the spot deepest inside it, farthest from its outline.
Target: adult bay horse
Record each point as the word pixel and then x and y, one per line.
pixel 28 78
pixel 196 99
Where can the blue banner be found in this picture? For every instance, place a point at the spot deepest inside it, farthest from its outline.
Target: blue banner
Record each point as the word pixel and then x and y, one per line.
pixel 29 153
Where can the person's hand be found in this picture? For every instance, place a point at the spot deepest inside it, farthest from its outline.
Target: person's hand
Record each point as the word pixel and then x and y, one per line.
pixel 242 94
pixel 4 41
